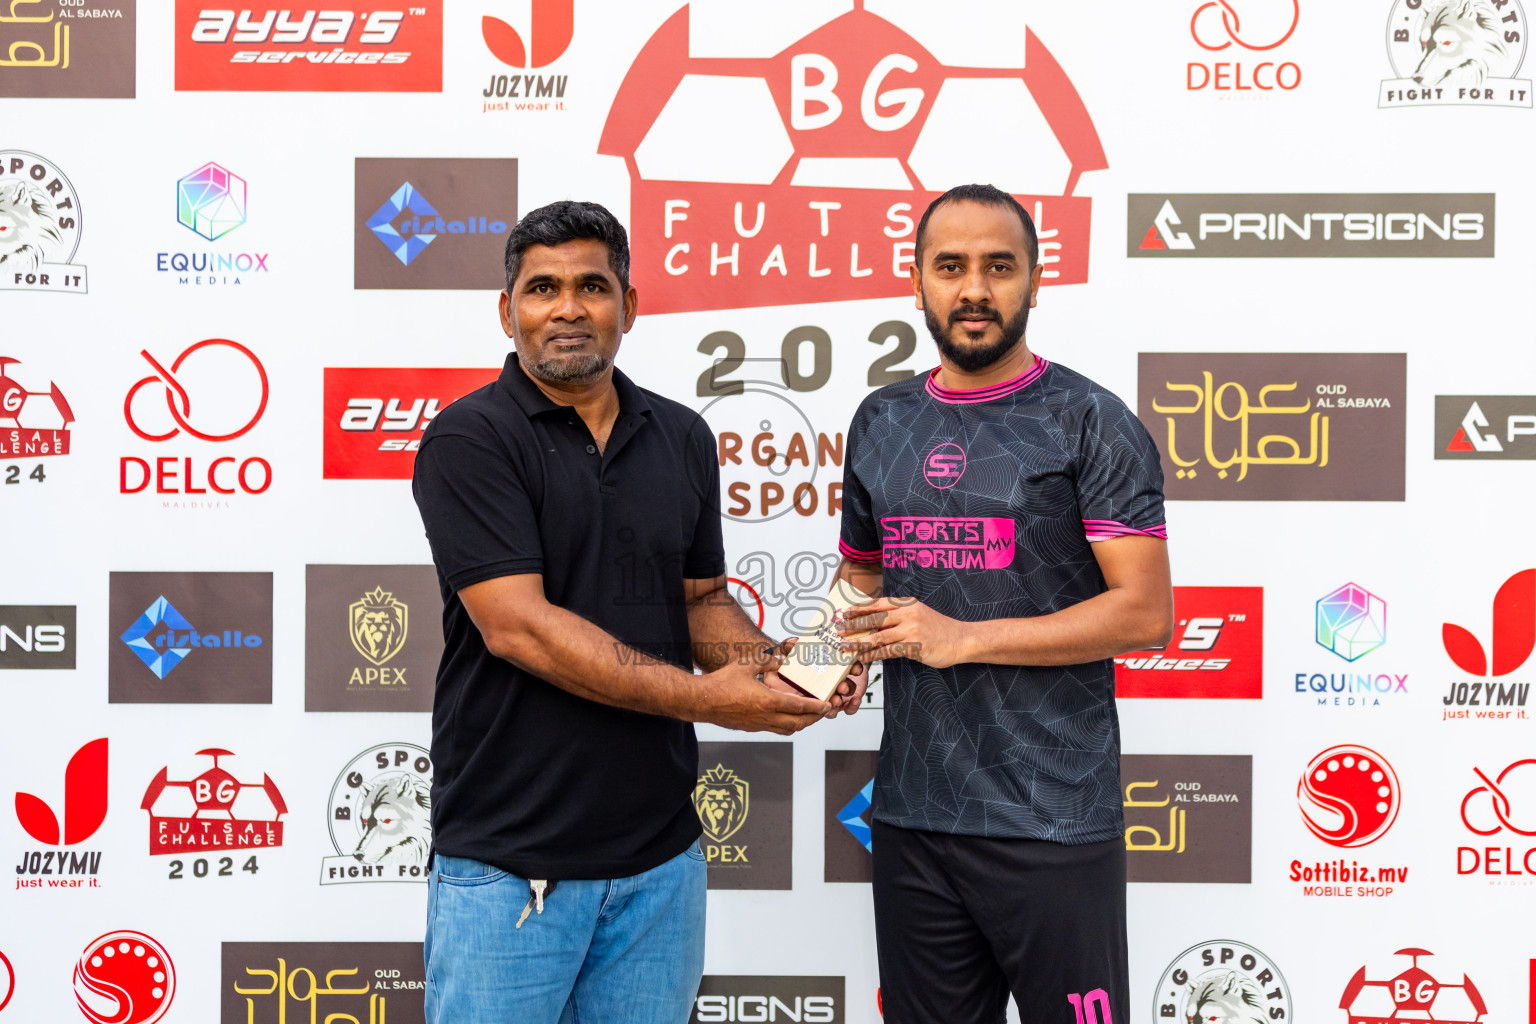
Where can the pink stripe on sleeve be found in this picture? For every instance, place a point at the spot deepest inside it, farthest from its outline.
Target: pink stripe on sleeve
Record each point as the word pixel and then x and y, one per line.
pixel 854 554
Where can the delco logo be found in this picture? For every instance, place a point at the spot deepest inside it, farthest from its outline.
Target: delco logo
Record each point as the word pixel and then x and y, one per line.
pixel 1217 651
pixel 374 418
pixel 346 46
pixel 779 158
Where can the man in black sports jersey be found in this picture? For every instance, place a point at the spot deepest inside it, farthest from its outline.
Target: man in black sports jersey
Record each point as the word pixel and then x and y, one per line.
pixel 1009 514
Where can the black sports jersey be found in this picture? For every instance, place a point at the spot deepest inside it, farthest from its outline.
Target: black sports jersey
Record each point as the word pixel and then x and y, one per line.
pixel 984 505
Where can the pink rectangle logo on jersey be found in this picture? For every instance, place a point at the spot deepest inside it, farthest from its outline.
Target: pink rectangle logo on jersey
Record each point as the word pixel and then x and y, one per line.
pixel 944 542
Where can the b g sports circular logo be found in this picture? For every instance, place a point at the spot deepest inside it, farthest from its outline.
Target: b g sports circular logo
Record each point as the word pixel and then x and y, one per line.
pixel 40 224
pixel 380 817
pixel 1224 981
pixel 1456 52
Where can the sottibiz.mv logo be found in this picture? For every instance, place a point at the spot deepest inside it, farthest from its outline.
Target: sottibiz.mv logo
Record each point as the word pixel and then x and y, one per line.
pixel 783 156
pixel 1514 637
pixel 124 977
pixel 374 418
pixel 1217 651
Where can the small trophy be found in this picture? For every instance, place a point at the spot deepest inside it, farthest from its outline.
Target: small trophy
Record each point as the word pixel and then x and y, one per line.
pixel 817 664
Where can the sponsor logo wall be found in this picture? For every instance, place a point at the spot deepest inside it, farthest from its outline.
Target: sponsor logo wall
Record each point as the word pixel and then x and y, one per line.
pixel 250 254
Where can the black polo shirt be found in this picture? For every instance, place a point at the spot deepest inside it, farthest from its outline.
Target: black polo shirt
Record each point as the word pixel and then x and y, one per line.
pixel 528 777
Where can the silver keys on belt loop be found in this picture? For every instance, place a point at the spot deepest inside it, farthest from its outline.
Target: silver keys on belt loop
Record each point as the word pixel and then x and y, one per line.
pixel 536 889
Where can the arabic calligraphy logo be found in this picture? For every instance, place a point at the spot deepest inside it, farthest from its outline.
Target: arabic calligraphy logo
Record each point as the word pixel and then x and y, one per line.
pixel 211 201
pixel 1349 796
pixel 124 978
pixel 177 394
pixel 720 798
pixel 1514 631
pixel 60 58
pixel 1177 822
pixel 378 625
pixel 1351 622
pixel 554 22
pixel 1231 26
pixel 1214 402
pixel 1417 992
pixel 945 465
pixel 1499 801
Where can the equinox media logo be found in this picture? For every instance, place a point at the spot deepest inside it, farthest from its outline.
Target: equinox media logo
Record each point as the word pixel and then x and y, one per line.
pixel 211 201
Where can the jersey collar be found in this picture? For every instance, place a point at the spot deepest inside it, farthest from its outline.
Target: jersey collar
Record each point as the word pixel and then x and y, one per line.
pixel 971 396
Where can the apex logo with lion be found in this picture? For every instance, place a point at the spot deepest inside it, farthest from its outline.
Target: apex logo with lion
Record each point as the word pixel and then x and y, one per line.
pixel 1456 52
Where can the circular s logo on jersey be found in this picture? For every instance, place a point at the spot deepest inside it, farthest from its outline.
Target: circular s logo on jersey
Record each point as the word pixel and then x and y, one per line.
pixel 1349 796
pixel 945 465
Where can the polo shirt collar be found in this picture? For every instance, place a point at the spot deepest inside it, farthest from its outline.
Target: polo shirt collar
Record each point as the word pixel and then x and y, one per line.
pixel 516 382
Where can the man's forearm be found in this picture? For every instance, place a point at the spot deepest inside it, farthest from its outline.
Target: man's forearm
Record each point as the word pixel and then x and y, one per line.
pixel 565 649
pixel 1103 626
pixel 721 632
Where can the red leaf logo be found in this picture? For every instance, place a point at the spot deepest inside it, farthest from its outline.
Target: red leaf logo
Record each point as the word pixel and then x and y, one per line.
pixel 503 42
pixel 85 800
pixel 1514 630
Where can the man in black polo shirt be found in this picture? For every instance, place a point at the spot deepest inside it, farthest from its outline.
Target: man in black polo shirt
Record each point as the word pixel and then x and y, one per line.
pixel 575 525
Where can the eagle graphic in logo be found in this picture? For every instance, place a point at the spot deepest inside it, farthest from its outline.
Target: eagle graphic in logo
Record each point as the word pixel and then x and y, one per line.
pixel 378 625
pixel 720 798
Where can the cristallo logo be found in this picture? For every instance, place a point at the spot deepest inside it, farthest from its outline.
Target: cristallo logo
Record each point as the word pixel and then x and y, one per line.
pixel 781 157
pixel 721 799
pixel 554 22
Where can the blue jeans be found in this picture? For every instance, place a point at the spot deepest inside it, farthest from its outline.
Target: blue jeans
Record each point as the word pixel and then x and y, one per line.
pixel 620 951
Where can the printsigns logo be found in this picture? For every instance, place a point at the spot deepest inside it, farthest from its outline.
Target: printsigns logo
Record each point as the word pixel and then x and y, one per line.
pixel 162 658
pixel 40 226
pixel 1322 225
pixel 1262 27
pixel 455 240
pixel 380 817
pixel 1277 427
pixel 1349 796
pixel 231 386
pixel 374 418
pixel 364 981
pixel 849 796
pixel 1506 430
pixel 84 809
pixel 1513 636
pixel 1413 993
pixel 1495 807
pixel 74 48
pixel 1351 622
pixel 730 997
pixel 211 201
pixel 1218 649
pixel 33 425
pixel 780 127
pixel 1464 52
pixel 360 652
pixel 212 821
pixel 1188 817
pixel 1223 981
pixel 124 978
pixel 347 46
pixel 744 805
